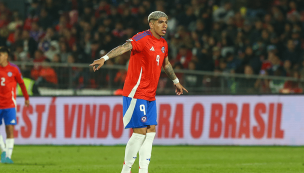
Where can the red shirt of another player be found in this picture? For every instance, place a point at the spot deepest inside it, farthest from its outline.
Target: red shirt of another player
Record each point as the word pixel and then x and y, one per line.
pixel 9 76
pixel 147 56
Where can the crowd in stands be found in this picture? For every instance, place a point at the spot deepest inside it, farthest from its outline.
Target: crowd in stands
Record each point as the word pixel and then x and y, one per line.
pixel 262 38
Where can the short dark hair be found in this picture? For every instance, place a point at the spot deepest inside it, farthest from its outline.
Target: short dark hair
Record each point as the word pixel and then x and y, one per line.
pixel 4 50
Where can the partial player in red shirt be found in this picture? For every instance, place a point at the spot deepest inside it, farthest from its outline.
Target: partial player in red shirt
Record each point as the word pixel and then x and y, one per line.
pixel 9 77
pixel 149 54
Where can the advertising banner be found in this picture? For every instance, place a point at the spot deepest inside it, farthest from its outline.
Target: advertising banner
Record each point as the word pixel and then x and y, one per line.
pixel 182 120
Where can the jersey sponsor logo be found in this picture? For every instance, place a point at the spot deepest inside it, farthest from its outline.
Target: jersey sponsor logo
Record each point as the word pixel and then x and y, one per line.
pixel 163 49
pixel 9 74
pixel 152 48
pixel 13 121
pixel 144 119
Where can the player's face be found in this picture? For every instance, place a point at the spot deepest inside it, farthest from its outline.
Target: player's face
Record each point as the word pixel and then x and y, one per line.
pixel 160 26
pixel 3 57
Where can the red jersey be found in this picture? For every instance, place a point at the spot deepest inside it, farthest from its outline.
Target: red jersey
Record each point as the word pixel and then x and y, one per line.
pixel 9 76
pixel 147 56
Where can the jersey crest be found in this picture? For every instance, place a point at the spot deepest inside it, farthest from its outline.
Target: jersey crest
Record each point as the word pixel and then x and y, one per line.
pixel 163 49
pixel 144 119
pixel 9 74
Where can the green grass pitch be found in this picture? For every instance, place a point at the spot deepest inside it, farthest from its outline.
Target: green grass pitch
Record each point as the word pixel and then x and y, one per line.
pixel 165 159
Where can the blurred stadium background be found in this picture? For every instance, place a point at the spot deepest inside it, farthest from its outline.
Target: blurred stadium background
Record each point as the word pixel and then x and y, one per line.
pixel 241 60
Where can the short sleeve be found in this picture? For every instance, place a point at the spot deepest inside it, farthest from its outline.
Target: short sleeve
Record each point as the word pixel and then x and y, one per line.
pixel 138 41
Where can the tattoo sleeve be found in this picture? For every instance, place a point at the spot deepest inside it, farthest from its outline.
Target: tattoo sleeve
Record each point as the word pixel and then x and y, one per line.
pixel 119 50
pixel 168 69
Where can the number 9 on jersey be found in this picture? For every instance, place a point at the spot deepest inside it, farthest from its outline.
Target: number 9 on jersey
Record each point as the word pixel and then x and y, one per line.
pixel 157 59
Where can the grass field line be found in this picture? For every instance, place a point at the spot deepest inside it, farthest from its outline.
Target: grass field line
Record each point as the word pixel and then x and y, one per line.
pixel 165 159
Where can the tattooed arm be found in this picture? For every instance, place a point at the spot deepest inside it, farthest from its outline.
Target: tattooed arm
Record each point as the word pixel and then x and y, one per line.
pixel 120 50
pixel 168 69
pixel 170 73
pixel 113 53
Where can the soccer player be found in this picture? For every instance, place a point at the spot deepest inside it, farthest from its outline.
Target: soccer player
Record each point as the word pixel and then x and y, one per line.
pixel 9 76
pixel 149 53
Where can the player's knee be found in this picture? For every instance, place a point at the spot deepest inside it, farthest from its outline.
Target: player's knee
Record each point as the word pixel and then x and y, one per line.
pixel 151 128
pixel 142 131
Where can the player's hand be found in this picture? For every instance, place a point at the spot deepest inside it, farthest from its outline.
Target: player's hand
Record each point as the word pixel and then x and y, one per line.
pixel 179 89
pixel 97 64
pixel 27 103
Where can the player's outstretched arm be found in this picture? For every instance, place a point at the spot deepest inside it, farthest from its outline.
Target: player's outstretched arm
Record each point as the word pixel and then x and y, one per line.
pixel 170 73
pixel 113 53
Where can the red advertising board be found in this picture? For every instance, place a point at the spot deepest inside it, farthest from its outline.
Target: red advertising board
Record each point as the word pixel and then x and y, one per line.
pixel 194 120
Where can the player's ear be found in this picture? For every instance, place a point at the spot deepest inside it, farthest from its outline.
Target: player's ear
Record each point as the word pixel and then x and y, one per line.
pixel 151 24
